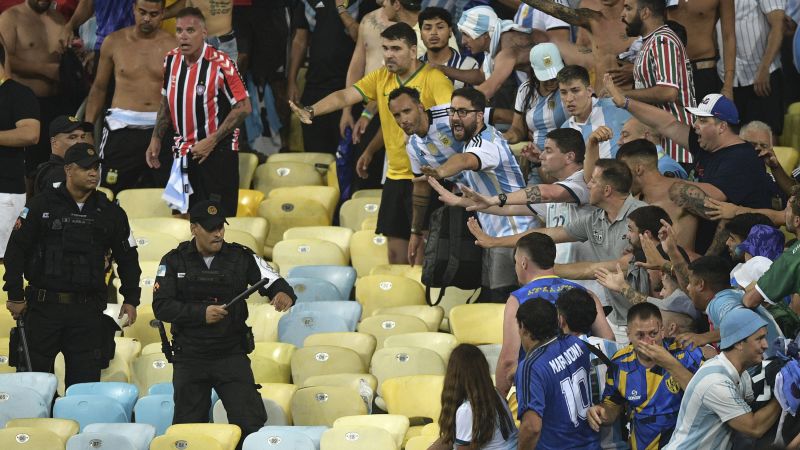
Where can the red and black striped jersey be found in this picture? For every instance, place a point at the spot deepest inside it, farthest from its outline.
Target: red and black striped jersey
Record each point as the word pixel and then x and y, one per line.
pixel 201 95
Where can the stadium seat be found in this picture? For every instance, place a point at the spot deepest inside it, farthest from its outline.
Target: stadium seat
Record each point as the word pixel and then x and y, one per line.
pixel 441 343
pixel 146 282
pixel 44 384
pixel 352 380
pixel 21 402
pixel 338 235
pixel 305 252
pixel 6 323
pixel 383 291
pixel 4 367
pixel 247 168
pixel 349 311
pixel 153 245
pixel 149 370
pixel 322 405
pixel 227 435
pixel 173 226
pixel 420 442
pixel 369 224
pixel 264 321
pixel 343 277
pixel 279 352
pixel 324 360
pixel 312 432
pixel 287 440
pixel 293 328
pixel 266 370
pixel 249 201
pixel 385 325
pixel 358 437
pixel 414 396
pixel 143 203
pixel 314 290
pixel 243 238
pixel 361 343
pixel 220 415
pixel 258 227
pixel 156 410
pixel 278 402
pixel 91 408
pixel 64 428
pixel 452 297
pixel 354 211
pixel 367 193
pixel 323 159
pixel 165 388
pixel 395 362
pixel 28 438
pixel 492 354
pixel 124 393
pixel 787 157
pixel 108 192
pixel 368 250
pixel 477 324
pixel 283 213
pixel 327 196
pixel 122 436
pixel 397 426
pixel 401 270
pixel 188 440
pixel 431 315
pixel 145 329
pixel 271 175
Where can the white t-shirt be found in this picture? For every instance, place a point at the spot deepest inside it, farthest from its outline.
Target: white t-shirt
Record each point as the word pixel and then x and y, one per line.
pixel 463 434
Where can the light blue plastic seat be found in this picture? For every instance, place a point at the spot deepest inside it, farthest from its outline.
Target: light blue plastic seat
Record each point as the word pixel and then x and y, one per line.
pixel 156 410
pixel 343 277
pixel 314 289
pixel 43 383
pixel 20 402
pixel 313 432
pixel 169 389
pixel 117 436
pixel 286 440
pixel 293 328
pixel 88 409
pixel 125 393
pixel 349 311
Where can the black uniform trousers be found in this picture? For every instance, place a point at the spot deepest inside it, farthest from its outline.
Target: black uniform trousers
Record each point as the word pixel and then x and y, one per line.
pixel 232 378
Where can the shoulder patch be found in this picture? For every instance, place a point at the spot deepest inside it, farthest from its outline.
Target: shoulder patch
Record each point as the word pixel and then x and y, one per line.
pixel 162 270
pixel 24 213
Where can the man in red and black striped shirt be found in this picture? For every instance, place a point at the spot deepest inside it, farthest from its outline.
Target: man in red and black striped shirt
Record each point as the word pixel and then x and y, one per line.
pixel 206 100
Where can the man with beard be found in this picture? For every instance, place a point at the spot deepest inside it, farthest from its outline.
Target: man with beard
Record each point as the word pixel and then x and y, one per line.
pixel 660 74
pixel 134 57
pixel 402 68
pixel 31 33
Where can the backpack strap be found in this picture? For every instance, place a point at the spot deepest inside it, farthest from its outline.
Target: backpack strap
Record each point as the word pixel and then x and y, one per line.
pixel 456 233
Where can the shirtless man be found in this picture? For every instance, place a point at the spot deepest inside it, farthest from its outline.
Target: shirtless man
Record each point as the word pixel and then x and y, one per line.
pixel 601 38
pixel 699 17
pixel 134 56
pixel 31 32
pixel 219 19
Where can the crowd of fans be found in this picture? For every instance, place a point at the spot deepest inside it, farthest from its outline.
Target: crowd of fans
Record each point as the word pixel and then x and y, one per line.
pixel 642 233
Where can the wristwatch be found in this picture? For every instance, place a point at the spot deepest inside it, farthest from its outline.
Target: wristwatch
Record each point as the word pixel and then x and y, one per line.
pixel 503 198
pixel 309 110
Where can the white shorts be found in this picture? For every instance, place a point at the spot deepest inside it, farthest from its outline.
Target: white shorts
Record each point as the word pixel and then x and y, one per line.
pixel 620 333
pixel 10 207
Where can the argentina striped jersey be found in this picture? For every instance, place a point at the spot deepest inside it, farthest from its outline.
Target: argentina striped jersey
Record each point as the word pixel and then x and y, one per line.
pixel 543 113
pixel 604 113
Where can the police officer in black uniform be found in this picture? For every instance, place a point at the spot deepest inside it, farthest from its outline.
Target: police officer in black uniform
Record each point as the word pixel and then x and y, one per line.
pixel 211 342
pixel 65 131
pixel 61 243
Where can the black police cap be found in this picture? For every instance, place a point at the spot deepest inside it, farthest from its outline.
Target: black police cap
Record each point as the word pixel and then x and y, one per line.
pixel 209 214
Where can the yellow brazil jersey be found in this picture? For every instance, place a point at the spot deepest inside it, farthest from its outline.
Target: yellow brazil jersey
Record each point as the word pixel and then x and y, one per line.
pixel 434 88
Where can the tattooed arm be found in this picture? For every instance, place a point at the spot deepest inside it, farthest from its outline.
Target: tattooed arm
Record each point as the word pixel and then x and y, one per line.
pixel 159 131
pixel 234 118
pixel 580 17
pixel 538 193
pixel 720 237
pixel 689 197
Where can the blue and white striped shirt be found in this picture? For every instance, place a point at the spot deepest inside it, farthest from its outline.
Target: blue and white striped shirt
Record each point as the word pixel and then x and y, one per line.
pixel 604 113
pixel 457 61
pixel 437 146
pixel 498 172
pixel 543 114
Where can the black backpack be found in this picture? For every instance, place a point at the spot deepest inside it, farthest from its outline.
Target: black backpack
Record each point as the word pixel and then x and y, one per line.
pixel 451 256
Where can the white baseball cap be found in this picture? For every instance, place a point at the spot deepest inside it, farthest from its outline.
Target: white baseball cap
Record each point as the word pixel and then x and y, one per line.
pixel 546 61
pixel 716 105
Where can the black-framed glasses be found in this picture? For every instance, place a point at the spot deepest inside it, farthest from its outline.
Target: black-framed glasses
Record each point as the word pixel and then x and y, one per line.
pixel 462 112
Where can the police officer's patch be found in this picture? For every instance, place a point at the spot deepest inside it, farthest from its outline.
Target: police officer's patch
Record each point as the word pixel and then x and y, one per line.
pixel 45 215
pixel 162 270
pixel 212 210
pixel 24 213
pixel 18 224
pixel 90 152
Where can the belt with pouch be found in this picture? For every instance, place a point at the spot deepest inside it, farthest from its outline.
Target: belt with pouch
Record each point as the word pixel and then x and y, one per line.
pixel 63 298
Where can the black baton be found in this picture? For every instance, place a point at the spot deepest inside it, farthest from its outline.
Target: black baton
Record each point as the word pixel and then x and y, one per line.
pixel 24 344
pixel 247 293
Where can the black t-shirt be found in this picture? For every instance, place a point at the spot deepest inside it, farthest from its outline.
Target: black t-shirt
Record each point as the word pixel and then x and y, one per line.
pixel 330 48
pixel 736 170
pixel 17 102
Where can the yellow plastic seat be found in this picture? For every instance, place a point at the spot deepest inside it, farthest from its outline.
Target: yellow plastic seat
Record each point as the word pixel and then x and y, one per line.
pixel 258 227
pixel 396 425
pixel 143 203
pixel 357 437
pixel 279 352
pixel 386 325
pixel 331 178
pixel 420 442
pixel 368 193
pixel 480 323
pixel 119 368
pixel 327 196
pixel 787 157
pixel 395 362
pixel 431 315
pixel 151 349
pixel 307 252
pixel 266 370
pixel 152 246
pixel 351 380
pixel 369 224
pixel 283 213
pixel 173 226
pixel 225 434
pixel 368 250
pixel 361 343
pixel 146 282
pixel 441 343
pixel 145 329
pixel 271 175
pixel 30 438
pixel 4 367
pixel 247 168
pixel 243 238
pixel 264 320
pixel 383 291
pixel 107 191
pixel 400 270
pixel 322 405
pixel 432 429
pixel 323 159
pixel 324 360
pixel 794 108
pixel 453 297
pixel 414 396
pixel 278 402
pixel 63 428
pixel 355 210
pixel 149 370
pixel 249 201
pixel 6 323
pixel 338 235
